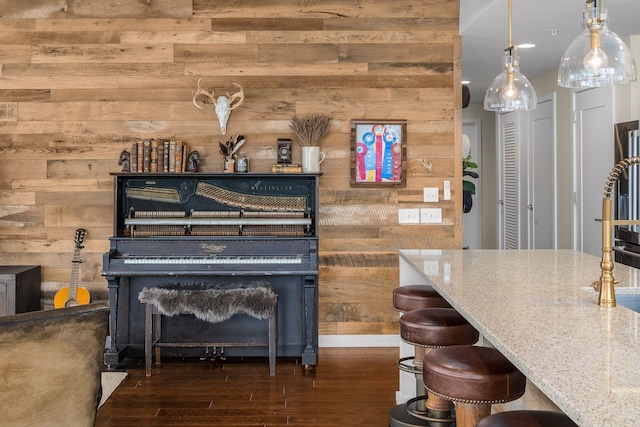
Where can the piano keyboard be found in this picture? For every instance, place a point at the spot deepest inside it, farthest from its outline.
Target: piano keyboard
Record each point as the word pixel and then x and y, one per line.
pixel 215 260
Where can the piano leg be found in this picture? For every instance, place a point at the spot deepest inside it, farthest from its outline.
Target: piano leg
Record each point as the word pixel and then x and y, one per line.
pixel 113 355
pixel 310 352
pixel 273 342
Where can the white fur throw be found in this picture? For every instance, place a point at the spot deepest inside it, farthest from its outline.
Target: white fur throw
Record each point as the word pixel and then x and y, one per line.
pixel 212 304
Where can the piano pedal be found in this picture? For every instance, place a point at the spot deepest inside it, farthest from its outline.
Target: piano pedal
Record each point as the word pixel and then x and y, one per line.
pixel 208 354
pixel 213 354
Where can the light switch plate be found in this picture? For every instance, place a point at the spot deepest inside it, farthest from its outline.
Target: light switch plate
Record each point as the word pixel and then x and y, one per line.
pixel 431 216
pixel 408 216
pixel 430 194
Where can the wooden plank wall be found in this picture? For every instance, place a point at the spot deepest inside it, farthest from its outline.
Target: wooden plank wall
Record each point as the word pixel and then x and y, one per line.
pixel 81 79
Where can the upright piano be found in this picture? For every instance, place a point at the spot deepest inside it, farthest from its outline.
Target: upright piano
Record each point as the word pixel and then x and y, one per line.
pixel 186 229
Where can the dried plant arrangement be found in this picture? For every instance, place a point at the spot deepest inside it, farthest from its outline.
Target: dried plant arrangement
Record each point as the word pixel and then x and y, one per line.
pixel 310 129
pixel 230 148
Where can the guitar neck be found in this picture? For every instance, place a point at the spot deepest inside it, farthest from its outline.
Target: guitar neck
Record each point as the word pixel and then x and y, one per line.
pixel 75 266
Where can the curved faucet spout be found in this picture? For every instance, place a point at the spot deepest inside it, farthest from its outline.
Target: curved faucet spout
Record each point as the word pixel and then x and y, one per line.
pixel 605 286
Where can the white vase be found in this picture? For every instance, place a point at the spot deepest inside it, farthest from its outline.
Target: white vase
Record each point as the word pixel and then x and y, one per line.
pixel 311 159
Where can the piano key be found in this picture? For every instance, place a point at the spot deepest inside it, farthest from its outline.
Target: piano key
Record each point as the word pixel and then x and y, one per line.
pixel 213 260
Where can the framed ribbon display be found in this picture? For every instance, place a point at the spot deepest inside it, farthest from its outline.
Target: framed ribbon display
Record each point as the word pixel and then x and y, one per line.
pixel 378 153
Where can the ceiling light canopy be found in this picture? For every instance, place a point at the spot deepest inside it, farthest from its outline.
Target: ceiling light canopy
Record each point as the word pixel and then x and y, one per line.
pixel 510 90
pixel 597 57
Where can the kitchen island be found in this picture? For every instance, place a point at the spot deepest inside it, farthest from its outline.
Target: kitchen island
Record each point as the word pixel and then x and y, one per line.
pixel 537 307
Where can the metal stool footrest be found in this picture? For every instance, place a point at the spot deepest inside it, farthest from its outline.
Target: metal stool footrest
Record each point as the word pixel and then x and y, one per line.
pixel 440 419
pixel 406 367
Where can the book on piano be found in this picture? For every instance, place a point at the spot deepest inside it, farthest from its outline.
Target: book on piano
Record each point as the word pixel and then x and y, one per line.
pixel 286 168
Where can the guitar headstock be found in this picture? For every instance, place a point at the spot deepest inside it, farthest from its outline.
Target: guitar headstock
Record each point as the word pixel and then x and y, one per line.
pixel 80 234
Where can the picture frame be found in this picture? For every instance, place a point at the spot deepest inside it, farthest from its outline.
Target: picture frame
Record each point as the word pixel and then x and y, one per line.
pixel 378 153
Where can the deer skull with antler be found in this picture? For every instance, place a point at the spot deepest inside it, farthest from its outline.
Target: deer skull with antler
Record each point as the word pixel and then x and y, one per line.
pixel 223 105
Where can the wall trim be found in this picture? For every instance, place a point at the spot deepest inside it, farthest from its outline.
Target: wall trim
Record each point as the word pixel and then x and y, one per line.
pixel 359 340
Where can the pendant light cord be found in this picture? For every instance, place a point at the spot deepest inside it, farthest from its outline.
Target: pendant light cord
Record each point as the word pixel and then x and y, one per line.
pixel 510 26
pixel 513 52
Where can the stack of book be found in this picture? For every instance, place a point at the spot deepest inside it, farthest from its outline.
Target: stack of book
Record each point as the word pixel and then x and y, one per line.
pixel 158 155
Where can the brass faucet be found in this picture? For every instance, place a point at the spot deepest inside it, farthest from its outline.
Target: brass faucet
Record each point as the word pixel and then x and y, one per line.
pixel 605 286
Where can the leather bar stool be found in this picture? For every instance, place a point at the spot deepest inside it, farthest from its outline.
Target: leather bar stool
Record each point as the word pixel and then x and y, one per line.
pixel 426 329
pixel 474 378
pixel 414 297
pixel 526 418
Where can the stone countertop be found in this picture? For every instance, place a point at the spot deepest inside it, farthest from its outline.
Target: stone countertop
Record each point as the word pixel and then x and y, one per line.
pixel 535 306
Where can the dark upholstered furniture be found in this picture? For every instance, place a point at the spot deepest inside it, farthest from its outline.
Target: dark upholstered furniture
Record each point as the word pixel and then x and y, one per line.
pixel 525 418
pixel 50 364
pixel 413 297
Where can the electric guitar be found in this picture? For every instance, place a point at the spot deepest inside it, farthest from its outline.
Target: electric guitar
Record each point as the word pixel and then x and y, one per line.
pixel 73 295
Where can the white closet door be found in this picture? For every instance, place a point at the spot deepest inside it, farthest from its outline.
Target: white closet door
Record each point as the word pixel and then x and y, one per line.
pixel 513 173
pixel 527 179
pixel 542 179
pixel 594 158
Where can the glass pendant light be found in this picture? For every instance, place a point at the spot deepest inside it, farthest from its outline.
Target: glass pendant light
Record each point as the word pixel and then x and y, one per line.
pixel 510 90
pixel 597 57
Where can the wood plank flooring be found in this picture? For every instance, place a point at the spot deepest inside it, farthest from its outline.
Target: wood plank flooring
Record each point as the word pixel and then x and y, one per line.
pixel 348 387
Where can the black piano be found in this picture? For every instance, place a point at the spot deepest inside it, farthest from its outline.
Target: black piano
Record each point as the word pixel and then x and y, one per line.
pixel 221 229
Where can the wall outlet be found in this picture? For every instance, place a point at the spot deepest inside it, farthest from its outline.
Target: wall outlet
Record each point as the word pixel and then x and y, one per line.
pixel 431 215
pixel 408 216
pixel 430 194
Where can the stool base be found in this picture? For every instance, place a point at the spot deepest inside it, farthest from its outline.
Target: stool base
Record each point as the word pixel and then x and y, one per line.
pixel 419 407
pixel 399 417
pixel 410 415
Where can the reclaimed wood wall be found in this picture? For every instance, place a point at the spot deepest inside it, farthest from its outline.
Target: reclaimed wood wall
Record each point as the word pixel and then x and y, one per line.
pixel 81 79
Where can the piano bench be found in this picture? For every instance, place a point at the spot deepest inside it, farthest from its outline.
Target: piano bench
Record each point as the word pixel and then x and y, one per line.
pixel 264 298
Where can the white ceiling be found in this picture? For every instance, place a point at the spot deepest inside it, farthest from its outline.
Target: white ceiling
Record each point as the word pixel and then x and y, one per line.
pixel 484 26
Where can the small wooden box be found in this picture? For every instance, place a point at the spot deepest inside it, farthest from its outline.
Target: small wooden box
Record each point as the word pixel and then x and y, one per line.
pixel 19 289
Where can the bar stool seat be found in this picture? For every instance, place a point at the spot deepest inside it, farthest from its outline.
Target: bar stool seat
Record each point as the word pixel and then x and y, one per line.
pixel 413 297
pixel 525 418
pixel 474 378
pixel 436 327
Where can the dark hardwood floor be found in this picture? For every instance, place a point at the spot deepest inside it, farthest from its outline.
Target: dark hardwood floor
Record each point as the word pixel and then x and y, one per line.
pixel 348 387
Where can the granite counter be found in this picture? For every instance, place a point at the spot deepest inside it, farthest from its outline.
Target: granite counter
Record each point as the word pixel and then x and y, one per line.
pixel 537 307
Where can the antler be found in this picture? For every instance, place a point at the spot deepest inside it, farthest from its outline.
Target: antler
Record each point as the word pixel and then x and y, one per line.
pixel 237 95
pixel 202 92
